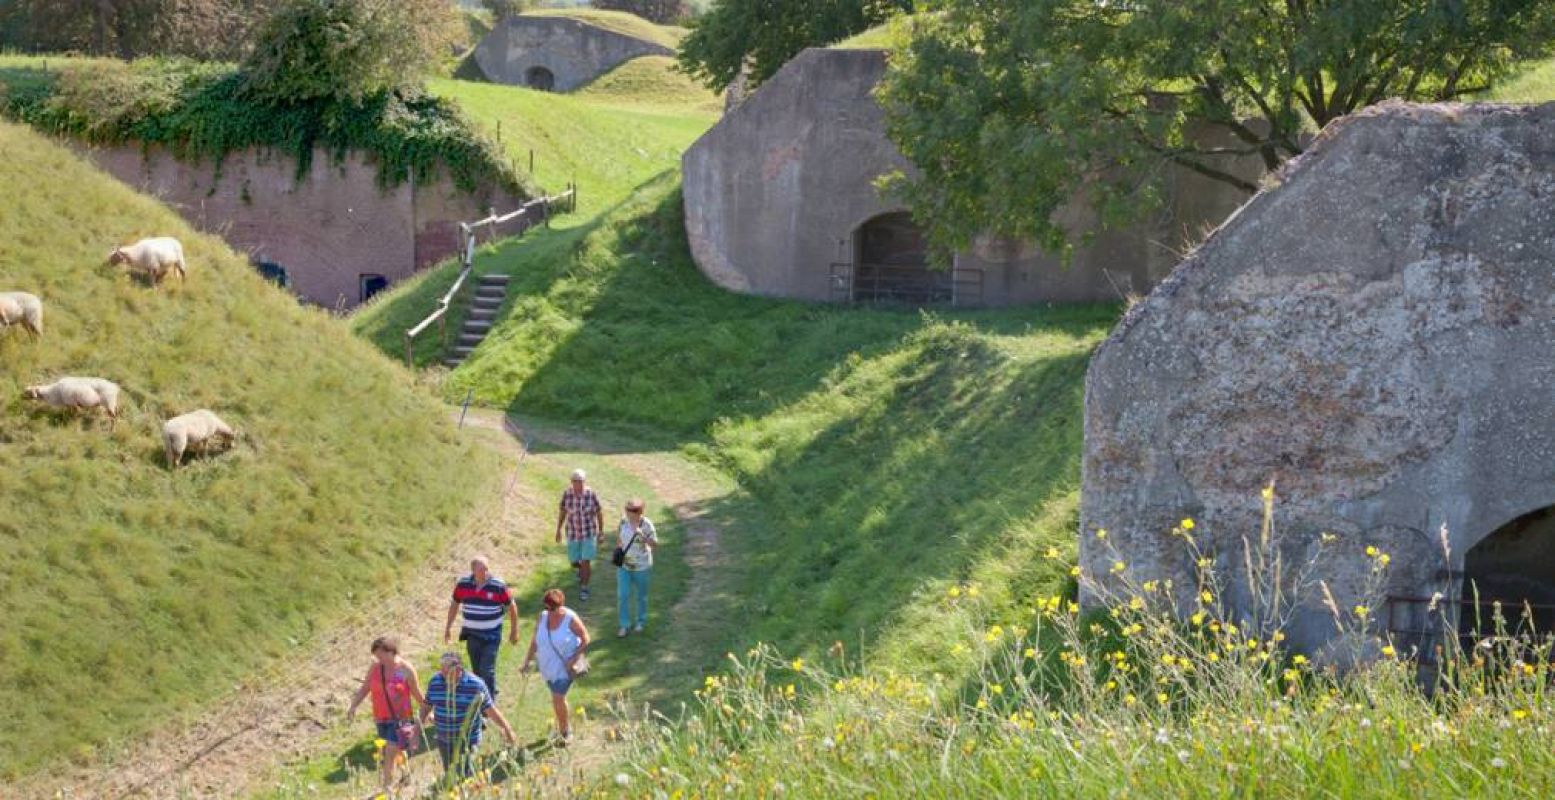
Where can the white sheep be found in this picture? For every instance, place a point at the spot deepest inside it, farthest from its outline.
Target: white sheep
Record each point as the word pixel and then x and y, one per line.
pixel 79 393
pixel 195 431
pixel 23 309
pixel 154 258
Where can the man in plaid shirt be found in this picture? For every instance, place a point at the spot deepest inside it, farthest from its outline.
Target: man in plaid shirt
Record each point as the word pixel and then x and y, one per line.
pixel 584 519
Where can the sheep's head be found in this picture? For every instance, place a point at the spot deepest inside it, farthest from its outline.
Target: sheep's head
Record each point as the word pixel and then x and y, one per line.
pixel 32 392
pixel 117 256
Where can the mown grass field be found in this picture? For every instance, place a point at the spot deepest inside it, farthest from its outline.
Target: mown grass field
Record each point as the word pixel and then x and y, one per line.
pixel 131 594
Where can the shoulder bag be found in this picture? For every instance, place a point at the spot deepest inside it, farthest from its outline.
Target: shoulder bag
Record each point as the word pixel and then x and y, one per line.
pixel 618 557
pixel 575 670
pixel 409 730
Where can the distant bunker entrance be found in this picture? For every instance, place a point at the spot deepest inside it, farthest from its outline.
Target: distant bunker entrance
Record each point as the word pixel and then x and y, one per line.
pixel 782 191
pixel 1509 578
pixel 1373 334
pixel 540 78
pixel 891 264
pixel 556 53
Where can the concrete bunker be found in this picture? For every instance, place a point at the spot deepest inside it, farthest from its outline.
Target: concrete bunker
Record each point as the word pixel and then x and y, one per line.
pixel 774 194
pixel 559 53
pixel 1371 335
pixel 1511 574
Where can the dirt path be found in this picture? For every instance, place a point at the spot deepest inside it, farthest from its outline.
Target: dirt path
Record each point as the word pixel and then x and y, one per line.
pixel 292 712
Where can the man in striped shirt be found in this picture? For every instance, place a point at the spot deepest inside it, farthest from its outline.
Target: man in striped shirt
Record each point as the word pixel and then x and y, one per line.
pixel 484 599
pixel 461 704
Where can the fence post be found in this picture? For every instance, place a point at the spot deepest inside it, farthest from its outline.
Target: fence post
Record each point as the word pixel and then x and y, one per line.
pixel 531 161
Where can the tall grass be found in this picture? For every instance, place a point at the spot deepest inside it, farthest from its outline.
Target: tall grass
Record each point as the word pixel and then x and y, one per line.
pixel 130 593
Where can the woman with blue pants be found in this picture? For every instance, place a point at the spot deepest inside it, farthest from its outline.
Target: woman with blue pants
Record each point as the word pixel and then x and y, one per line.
pixel 637 539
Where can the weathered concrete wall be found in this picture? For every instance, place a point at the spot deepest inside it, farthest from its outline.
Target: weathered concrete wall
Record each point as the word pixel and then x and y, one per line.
pixel 572 51
pixel 327 229
pixel 775 191
pixel 1374 335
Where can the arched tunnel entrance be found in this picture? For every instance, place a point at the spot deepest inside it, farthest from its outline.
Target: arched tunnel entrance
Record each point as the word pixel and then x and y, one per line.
pixel 540 78
pixel 892 264
pixel 1513 570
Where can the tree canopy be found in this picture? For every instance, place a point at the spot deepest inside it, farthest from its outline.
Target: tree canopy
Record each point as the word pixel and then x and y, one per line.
pixel 347 49
pixel 761 35
pixel 1009 108
pixel 218 29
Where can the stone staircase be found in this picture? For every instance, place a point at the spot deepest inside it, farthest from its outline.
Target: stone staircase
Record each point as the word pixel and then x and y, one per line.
pixel 491 292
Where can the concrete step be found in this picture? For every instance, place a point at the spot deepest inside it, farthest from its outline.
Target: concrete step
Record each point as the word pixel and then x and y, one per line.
pixel 486 302
pixel 471 339
pixel 482 314
pixel 462 351
pixel 495 280
pixel 452 361
pixel 480 326
pixel 491 291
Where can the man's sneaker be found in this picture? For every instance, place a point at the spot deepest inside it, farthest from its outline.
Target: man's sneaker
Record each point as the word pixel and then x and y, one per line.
pixel 583 594
pixel 621 634
pixel 639 628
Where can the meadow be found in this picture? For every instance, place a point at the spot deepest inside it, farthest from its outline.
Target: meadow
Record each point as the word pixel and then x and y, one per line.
pixel 151 591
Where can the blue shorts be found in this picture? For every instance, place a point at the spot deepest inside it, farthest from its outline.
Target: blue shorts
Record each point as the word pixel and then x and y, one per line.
pixel 390 733
pixel 560 687
pixel 582 549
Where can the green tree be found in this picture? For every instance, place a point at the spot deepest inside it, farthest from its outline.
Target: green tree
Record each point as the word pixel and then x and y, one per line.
pixel 761 35
pixel 347 49
pixel 505 8
pixel 660 11
pixel 1010 108
pixel 212 29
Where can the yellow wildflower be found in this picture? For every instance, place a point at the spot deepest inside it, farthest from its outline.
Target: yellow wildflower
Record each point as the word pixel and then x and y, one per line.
pixel 1074 571
pixel 1388 650
pixel 1298 659
pixel 1372 551
pixel 1187 524
pixel 1118 566
pixel 1031 652
pixel 997 688
pixel 1101 533
pixel 1206 597
pixel 954 592
pixel 797 664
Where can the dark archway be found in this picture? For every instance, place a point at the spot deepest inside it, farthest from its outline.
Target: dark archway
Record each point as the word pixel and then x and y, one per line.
pixel 371 285
pixel 1514 567
pixel 540 78
pixel 275 273
pixel 891 264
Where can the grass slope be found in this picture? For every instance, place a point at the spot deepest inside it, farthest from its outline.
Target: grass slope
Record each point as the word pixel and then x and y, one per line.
pixel 590 139
pixel 884 453
pixel 129 592
pixel 654 82
pixel 1536 84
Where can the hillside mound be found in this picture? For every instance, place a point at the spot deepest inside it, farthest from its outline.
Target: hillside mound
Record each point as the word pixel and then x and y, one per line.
pixel 652 81
pixel 618 22
pixel 132 593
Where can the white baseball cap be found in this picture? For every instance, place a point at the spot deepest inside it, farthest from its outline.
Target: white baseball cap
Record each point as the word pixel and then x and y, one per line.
pixel 578 475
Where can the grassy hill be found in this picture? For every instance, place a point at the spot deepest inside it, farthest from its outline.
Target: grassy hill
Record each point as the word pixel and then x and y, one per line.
pixel 131 593
pixel 602 139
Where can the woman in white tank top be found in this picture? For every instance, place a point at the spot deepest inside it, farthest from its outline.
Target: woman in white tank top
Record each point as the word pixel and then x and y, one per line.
pixel 559 641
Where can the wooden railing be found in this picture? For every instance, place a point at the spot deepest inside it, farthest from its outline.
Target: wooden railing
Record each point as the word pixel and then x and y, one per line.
pixel 467 231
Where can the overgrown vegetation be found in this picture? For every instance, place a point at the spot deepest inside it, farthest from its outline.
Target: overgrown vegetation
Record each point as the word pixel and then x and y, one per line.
pixel 200 110
pixel 346 50
pixel 159 589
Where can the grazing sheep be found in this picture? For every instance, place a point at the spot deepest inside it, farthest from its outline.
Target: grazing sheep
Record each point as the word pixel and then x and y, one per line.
pixel 154 258
pixel 194 431
pixel 22 308
pixel 79 393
